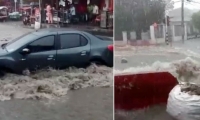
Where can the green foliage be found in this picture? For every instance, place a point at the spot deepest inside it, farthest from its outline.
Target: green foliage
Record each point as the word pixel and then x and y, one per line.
pixel 137 15
pixel 196 20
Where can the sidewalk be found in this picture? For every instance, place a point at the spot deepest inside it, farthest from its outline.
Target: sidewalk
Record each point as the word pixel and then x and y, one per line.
pixel 134 43
pixel 91 29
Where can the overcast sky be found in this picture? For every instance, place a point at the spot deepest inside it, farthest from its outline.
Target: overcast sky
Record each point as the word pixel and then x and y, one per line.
pixel 191 5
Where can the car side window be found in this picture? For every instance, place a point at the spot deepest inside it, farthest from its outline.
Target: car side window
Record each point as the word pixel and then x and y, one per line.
pixel 69 41
pixel 42 44
pixel 72 41
pixel 84 41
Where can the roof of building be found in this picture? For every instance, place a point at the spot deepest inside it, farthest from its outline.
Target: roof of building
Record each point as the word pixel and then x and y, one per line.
pixel 175 14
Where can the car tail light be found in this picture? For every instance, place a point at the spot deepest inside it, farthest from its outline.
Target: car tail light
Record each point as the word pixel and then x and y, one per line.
pixel 110 47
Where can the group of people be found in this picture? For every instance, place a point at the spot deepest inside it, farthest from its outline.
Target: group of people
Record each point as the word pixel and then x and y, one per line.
pixel 70 11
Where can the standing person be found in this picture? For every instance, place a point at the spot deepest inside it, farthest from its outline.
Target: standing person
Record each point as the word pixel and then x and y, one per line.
pixel 105 7
pixel 90 10
pixel 49 14
pixel 95 12
pixel 37 13
pixel 72 12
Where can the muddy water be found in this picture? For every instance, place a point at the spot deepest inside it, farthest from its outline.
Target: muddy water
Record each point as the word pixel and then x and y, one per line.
pixel 153 113
pixel 78 94
pixel 53 84
pixel 84 104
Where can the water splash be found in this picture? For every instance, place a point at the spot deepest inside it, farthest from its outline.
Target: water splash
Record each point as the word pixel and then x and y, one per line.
pixel 186 70
pixel 53 84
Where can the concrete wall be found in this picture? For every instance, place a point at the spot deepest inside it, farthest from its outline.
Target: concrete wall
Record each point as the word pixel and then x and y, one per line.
pixel 158 35
pixel 174 31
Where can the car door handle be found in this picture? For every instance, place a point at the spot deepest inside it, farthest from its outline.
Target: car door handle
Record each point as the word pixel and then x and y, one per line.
pixel 50 56
pixel 83 53
pixel 23 59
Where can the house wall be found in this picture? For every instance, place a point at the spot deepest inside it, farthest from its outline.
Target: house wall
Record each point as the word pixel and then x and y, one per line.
pixel 178 27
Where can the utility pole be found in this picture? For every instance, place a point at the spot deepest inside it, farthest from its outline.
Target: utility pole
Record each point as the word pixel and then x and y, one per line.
pixel 40 16
pixel 166 26
pixel 166 30
pixel 182 20
pixel 15 5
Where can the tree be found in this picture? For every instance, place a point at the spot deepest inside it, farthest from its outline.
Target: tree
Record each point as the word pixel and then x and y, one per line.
pixel 138 15
pixel 195 20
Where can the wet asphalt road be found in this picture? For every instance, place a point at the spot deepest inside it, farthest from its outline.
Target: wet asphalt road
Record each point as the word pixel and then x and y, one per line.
pixel 83 104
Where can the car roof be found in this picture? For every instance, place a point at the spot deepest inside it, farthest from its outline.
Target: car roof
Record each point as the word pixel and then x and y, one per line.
pixel 54 31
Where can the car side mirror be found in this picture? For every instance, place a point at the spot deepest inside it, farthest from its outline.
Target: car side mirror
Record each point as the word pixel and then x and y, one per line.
pixel 25 51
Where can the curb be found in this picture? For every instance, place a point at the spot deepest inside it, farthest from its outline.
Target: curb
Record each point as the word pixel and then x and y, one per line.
pixel 135 43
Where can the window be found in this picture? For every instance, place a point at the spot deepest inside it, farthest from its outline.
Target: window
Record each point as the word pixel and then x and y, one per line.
pixel 84 41
pixel 19 42
pixel 72 40
pixel 42 44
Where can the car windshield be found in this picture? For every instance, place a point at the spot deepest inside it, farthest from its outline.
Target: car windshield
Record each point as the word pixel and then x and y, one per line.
pixel 19 42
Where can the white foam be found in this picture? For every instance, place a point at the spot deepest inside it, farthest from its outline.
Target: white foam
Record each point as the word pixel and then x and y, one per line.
pixel 186 70
pixel 53 84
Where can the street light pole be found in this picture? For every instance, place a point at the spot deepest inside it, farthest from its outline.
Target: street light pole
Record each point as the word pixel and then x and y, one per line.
pixel 15 5
pixel 166 25
pixel 166 29
pixel 182 20
pixel 40 11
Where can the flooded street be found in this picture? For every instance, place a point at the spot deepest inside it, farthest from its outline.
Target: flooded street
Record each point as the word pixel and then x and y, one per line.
pixel 84 104
pixel 78 94
pixel 152 113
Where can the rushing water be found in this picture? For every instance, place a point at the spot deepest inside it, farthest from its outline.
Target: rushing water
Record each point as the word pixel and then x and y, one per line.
pixel 53 84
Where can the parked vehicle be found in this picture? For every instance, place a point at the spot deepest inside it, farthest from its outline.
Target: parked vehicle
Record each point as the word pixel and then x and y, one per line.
pixel 15 16
pixel 56 48
pixel 3 13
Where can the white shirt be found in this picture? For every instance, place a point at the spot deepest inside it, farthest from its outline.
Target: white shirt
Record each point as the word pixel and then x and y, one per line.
pixel 62 3
pixel 73 11
pixel 95 10
pixel 105 8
